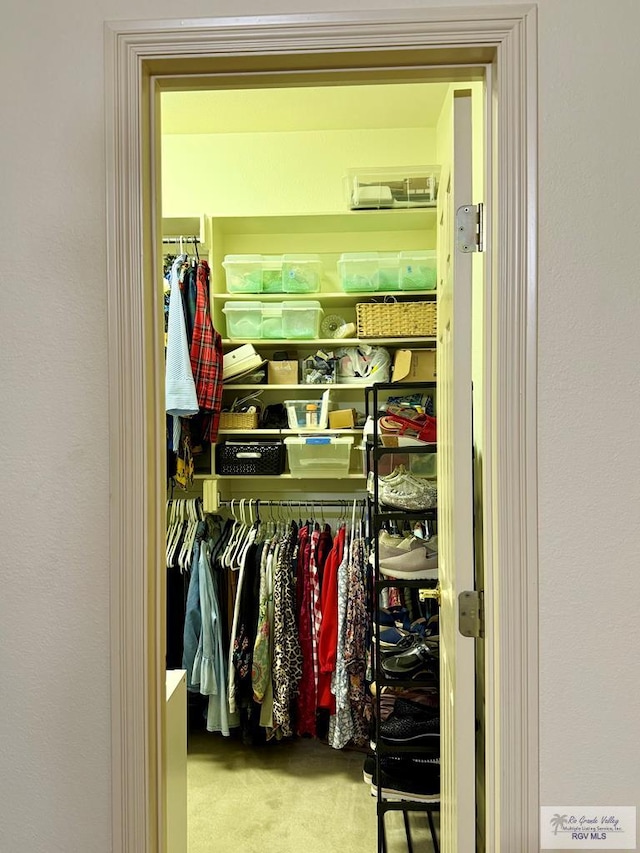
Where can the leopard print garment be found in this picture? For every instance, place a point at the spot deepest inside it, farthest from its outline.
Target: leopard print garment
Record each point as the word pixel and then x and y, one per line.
pixel 287 657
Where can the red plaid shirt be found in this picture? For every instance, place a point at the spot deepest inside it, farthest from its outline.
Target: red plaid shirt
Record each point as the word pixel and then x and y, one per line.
pixel 206 356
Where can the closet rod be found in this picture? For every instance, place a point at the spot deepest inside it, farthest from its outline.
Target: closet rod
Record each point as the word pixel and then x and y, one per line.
pixel 295 504
pixel 180 239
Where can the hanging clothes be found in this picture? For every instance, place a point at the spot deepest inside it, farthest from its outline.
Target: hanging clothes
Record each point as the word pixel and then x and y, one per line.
pixel 355 642
pixel 328 638
pixel 180 391
pixel 206 356
pixel 287 658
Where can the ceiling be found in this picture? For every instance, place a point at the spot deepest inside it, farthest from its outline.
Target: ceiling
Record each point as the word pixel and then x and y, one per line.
pixel 303 108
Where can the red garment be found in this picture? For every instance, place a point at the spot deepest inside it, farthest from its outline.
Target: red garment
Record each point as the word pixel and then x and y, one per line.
pixel 328 639
pixel 206 356
pixel 307 686
pixel 325 543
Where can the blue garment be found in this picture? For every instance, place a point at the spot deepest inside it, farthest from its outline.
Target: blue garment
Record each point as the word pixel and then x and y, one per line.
pixel 193 616
pixel 209 667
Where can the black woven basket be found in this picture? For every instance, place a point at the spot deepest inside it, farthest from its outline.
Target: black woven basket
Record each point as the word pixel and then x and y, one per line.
pixel 250 458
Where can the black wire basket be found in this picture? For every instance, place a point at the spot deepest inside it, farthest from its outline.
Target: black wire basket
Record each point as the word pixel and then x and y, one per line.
pixel 254 458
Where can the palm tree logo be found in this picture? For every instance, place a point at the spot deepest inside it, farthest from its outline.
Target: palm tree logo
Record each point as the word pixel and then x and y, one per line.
pixel 557 821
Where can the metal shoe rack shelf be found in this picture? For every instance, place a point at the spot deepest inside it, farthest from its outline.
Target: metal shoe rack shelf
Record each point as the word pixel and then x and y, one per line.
pixel 377 517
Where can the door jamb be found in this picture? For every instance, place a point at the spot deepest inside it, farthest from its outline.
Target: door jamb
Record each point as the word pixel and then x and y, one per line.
pixel 133 51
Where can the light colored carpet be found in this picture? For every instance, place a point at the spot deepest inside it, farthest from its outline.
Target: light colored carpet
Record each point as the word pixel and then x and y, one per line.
pixel 297 797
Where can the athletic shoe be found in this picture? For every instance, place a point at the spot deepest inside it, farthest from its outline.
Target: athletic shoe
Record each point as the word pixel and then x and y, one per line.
pixel 410 493
pixel 412 564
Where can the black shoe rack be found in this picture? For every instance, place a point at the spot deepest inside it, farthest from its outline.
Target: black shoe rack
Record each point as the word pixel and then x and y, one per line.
pixel 380 515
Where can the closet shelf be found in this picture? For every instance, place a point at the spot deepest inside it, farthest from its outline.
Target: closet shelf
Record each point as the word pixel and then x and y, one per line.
pixel 337 296
pixel 334 342
pixel 407 219
pixel 276 432
pixel 337 386
pixel 255 478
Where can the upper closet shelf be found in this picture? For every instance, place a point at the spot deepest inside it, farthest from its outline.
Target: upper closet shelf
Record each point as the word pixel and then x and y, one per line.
pixel 175 227
pixel 355 220
pixel 333 342
pixel 335 296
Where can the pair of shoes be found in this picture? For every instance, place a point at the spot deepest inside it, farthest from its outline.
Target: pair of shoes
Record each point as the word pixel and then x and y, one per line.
pixel 413 564
pixel 404 777
pixel 407 557
pixel 408 492
pixel 412 724
pixel 390 545
pixel 418 662
pixel 392 642
pixel 400 419
pixel 393 617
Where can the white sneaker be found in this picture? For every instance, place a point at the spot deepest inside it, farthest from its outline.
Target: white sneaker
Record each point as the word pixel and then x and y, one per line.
pixel 410 493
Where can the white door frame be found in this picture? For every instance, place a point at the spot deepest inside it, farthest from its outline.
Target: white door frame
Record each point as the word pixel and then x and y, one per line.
pixel 134 52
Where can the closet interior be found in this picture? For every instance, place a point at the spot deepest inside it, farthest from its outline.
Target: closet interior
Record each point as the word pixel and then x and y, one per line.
pixel 300 266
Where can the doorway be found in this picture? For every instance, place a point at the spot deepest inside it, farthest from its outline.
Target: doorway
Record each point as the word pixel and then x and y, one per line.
pixel 128 231
pixel 269 167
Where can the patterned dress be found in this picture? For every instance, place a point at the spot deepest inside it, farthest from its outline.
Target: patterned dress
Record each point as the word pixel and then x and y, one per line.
pixel 287 658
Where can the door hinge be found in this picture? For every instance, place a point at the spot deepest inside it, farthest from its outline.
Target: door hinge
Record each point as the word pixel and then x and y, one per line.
pixel 469 228
pixel 471 613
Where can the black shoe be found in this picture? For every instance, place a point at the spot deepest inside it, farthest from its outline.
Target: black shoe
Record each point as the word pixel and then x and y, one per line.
pixel 417 731
pixel 418 662
pixel 408 777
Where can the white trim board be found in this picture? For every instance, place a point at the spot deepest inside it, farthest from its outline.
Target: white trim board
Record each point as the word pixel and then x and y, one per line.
pixel 134 50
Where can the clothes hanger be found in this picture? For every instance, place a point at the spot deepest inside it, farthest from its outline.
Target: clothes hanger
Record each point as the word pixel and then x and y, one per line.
pixel 173 530
pixel 250 538
pixel 224 559
pixel 239 540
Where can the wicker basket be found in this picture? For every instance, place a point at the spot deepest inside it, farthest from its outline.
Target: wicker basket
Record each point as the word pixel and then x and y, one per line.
pixel 396 319
pixel 238 420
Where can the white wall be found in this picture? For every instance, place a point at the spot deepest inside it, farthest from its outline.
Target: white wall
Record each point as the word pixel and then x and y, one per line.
pixel 200 171
pixel 54 650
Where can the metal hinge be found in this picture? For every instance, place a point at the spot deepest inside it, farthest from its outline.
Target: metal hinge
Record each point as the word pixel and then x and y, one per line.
pixel 469 226
pixel 471 613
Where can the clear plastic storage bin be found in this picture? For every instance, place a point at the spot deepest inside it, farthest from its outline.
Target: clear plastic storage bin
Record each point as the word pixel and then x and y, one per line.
pixel 319 456
pixel 418 270
pixel 244 320
pixel 301 320
pixel 301 273
pixel 244 273
pixel 308 414
pixel 403 186
pixel 358 271
pixel 388 271
pixel 272 320
pixel 272 273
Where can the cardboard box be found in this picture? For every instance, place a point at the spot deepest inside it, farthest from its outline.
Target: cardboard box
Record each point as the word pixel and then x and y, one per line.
pixel 283 373
pixel 342 419
pixel 414 365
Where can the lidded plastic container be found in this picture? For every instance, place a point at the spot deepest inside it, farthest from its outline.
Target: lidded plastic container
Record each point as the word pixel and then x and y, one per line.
pixel 358 271
pixel 301 319
pixel 396 186
pixel 243 273
pixel 301 273
pixel 244 320
pixel 388 271
pixel 272 273
pixel 418 270
pixel 319 456
pixel 272 320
